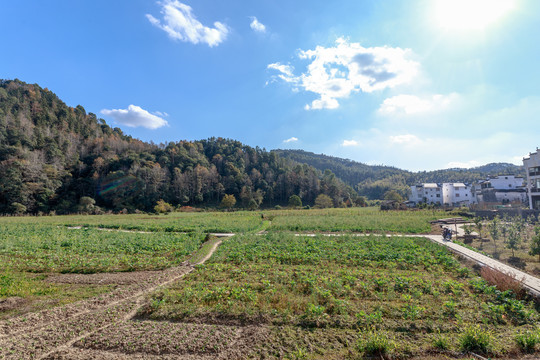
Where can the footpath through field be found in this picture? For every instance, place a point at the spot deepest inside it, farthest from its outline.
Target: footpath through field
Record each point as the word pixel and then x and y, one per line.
pixel 529 281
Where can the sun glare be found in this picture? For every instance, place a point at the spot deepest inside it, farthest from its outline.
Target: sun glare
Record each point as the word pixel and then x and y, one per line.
pixel 470 14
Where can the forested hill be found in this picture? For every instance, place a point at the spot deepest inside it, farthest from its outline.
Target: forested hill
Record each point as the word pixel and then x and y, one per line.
pixel 374 180
pixel 52 156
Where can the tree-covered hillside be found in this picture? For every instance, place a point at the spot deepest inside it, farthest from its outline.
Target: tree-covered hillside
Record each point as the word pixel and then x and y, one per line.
pixel 53 155
pixel 373 181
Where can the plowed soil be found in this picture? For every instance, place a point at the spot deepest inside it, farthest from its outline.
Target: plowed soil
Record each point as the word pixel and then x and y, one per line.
pixel 104 327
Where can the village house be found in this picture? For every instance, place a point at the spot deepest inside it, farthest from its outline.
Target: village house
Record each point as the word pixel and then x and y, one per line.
pixel 532 168
pixel 502 189
pixel 453 194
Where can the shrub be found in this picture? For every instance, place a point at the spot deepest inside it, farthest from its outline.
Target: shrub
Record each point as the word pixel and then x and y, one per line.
pixel 376 343
pixel 475 338
pixel 527 341
pixel 502 281
pixel 295 201
pixel 323 201
pixel 441 342
pixel 228 201
pixel 162 207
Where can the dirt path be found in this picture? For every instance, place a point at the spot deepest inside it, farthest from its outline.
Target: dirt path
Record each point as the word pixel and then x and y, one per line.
pixel 44 334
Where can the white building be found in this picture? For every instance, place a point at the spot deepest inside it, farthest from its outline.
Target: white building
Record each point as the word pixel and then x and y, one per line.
pixel 446 194
pixel 502 189
pixel 532 167
pixel 458 194
pixel 426 193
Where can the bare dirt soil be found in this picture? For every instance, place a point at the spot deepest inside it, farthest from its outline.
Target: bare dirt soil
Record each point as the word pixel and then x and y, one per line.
pixel 104 327
pixel 123 278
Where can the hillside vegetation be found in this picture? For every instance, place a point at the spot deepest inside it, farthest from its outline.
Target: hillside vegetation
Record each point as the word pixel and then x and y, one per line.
pixel 373 181
pixel 54 157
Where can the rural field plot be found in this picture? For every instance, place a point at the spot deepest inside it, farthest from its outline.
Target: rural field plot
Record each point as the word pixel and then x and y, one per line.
pixel 321 297
pixel 369 219
pixel 33 255
pixel 208 222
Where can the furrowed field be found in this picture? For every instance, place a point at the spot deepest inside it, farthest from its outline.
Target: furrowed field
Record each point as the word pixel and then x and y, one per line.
pixel 292 291
pixel 330 297
pixel 31 253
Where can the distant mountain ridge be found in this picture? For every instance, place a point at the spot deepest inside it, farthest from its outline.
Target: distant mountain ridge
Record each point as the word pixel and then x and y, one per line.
pixel 374 180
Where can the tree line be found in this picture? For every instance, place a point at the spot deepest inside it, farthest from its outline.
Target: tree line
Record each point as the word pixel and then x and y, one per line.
pixel 54 157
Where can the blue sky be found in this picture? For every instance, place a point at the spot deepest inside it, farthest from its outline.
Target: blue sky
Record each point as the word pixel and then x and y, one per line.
pixel 415 84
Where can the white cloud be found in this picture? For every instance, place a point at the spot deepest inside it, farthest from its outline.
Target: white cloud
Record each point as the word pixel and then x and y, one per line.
pixel 180 23
pixel 293 139
pixel 135 116
pixel 349 143
pixel 407 139
pixel 257 26
pixel 338 71
pixel 463 165
pixel 161 114
pixel 412 104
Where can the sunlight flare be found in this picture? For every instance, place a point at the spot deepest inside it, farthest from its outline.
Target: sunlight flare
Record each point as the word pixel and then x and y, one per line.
pixel 470 14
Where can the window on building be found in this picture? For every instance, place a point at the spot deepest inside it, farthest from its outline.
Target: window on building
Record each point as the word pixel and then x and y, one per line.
pixel 457 195
pixel 438 195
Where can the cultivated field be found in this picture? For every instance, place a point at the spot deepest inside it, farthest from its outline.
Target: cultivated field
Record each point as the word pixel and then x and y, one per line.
pixel 355 220
pixel 333 297
pixel 128 287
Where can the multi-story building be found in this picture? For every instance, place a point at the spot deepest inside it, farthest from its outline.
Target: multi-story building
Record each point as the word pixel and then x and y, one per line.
pixel 502 189
pixel 458 194
pixel 532 167
pixel 426 193
pixel 445 194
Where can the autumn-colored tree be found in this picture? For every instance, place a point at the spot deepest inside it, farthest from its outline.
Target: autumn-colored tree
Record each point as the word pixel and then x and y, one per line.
pixel 228 201
pixel 163 207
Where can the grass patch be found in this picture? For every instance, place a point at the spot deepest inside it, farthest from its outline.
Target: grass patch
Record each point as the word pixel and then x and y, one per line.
pixel 241 221
pixel 47 248
pixel 355 220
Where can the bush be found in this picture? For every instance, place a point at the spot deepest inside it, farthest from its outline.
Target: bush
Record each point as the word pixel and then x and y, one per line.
pixel 376 343
pixel 503 282
pixel 527 341
pixel 475 338
pixel 228 201
pixel 323 201
pixel 295 201
pixel 441 342
pixel 162 207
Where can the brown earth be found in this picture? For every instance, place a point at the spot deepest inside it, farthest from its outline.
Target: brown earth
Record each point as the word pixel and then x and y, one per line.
pixel 64 332
pixel 11 303
pixel 123 278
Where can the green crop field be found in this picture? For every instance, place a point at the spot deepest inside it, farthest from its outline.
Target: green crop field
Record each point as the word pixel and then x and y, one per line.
pixel 328 296
pixel 53 249
pixel 241 221
pixel 355 220
pixel 307 296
